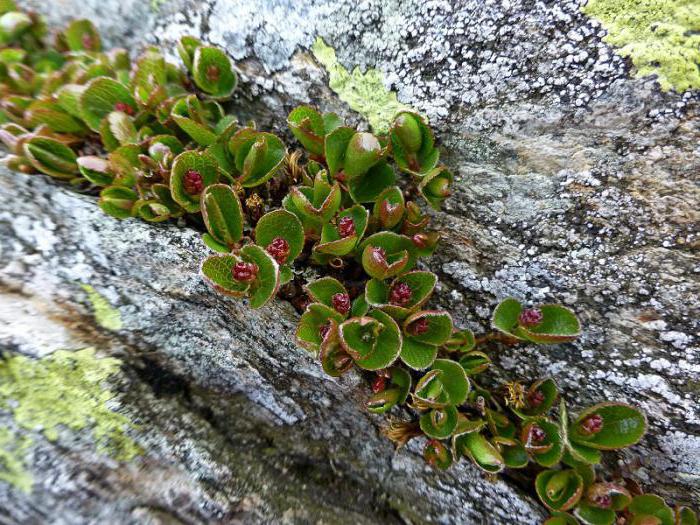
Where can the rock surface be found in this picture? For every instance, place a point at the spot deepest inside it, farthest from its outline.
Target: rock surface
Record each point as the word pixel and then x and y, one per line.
pixel 575 184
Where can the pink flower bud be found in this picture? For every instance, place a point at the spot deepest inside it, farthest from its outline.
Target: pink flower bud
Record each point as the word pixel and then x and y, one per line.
pixel 279 249
pixel 193 182
pixel 245 272
pixel 530 317
pixel 400 294
pixel 341 303
pixel 346 226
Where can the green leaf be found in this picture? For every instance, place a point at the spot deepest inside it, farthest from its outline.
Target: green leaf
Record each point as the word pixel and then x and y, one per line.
pixel 12 25
pixel 186 48
pixel 359 336
pixel 314 317
pixel 123 162
pixel 363 151
pixel 619 496
pixel 184 162
pixel 389 208
pixel 561 518
pixel 81 35
pixel 265 286
pixel 149 73
pixel 623 426
pixel 51 157
pixel 549 451
pixel 117 201
pixel 559 325
pixel 308 126
pixel 214 244
pixel 53 116
pixel 68 99
pixel 505 316
pixel 539 399
pixel 651 505
pixel 439 423
pixel 322 290
pixel 370 185
pixel 435 186
pixel 150 210
pixel 331 241
pixel 200 133
pixel 96 170
pixel 475 363
pixel 437 455
pixel 461 341
pixel 122 128
pixel 453 379
pixel 579 453
pixel 212 72
pixel 334 359
pixel 439 326
pixel 514 455
pixel 421 284
pixel 257 155
pixel 590 515
pixel 412 143
pixel 286 274
pixel 102 96
pixel 388 344
pixel 359 306
pixel 559 490
pixel 686 516
pixel 218 272
pixel 481 451
pixel 335 146
pixel 222 214
pixel 417 355
pixel 281 224
pixel 399 254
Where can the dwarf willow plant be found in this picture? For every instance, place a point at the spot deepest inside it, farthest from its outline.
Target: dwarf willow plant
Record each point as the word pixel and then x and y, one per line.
pixel 157 143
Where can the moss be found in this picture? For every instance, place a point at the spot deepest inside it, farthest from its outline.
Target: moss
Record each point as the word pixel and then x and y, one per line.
pixel 106 316
pixel 12 452
pixel 661 37
pixel 363 92
pixel 65 390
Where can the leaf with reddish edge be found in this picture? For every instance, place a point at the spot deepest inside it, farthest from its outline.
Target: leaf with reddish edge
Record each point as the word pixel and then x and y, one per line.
pixel 388 344
pixel 265 286
pixel 481 451
pixel 439 326
pixel 316 316
pixel 322 290
pixel 308 126
pixel 281 224
pixel 622 426
pixel 417 355
pixel 222 214
pixel 218 272
pixel 559 490
pixel 439 423
pixel 335 361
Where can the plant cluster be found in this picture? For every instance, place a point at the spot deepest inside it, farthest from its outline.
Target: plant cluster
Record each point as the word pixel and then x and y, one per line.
pixel 157 143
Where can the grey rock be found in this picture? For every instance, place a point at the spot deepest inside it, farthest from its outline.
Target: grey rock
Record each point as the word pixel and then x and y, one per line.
pixel 575 184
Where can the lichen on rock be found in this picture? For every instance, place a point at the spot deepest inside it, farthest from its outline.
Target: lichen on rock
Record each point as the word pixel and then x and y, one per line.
pixel 105 314
pixel 12 462
pixel 65 390
pixel 661 37
pixel 363 92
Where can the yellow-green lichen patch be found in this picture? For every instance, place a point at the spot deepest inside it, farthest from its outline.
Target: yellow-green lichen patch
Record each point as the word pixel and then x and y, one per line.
pixel 66 390
pixel 661 37
pixel 363 92
pixel 12 452
pixel 105 314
